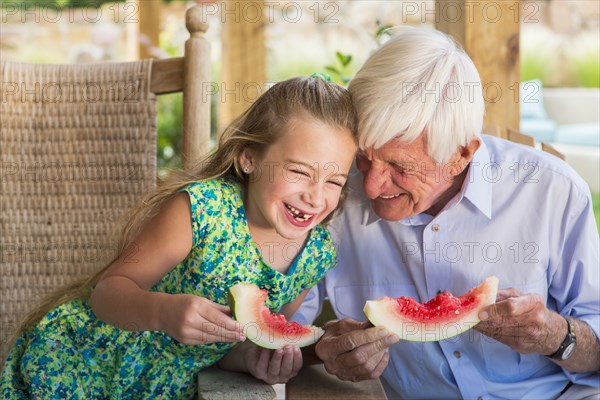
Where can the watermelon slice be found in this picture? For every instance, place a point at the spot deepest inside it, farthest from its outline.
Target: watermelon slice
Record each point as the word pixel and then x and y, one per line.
pixel 440 318
pixel 271 331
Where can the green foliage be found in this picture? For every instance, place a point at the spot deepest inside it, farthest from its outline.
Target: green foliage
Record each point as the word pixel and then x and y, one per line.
pixel 538 49
pixel 291 69
pixel 382 31
pixel 169 131
pixel 533 66
pixel 586 69
pixel 342 69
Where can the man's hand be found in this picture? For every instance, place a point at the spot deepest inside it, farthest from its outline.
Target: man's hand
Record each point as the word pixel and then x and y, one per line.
pixel 522 322
pixel 354 351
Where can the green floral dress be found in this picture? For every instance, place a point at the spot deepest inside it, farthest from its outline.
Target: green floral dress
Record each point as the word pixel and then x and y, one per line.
pixel 71 354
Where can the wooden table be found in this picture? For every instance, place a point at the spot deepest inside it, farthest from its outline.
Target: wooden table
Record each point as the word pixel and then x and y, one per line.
pixel 312 383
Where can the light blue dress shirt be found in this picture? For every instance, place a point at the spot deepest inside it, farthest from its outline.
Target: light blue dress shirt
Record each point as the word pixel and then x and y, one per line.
pixel 523 216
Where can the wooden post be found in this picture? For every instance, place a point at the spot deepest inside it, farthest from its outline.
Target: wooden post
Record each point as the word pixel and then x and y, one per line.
pixel 132 32
pixel 196 82
pixel 150 18
pixel 243 67
pixel 489 32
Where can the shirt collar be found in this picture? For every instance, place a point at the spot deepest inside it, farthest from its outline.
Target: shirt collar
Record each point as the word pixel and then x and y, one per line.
pixel 476 189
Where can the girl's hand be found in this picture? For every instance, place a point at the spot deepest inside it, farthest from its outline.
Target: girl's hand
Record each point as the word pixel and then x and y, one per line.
pixel 274 366
pixel 196 320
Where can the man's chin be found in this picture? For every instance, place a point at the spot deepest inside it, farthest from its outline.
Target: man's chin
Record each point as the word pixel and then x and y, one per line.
pixel 388 212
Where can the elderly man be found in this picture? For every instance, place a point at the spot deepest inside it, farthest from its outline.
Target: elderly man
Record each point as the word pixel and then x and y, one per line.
pixel 437 206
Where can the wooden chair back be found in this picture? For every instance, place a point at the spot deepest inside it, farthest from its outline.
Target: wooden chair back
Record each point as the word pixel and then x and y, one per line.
pixel 518 137
pixel 77 150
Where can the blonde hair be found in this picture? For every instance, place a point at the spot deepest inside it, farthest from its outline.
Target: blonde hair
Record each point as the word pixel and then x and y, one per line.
pixel 259 127
pixel 419 81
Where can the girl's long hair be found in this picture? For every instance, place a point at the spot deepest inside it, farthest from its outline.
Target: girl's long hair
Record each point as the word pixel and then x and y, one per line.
pixel 257 128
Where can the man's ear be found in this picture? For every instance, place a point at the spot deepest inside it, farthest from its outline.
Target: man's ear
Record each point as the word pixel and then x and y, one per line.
pixel 468 151
pixel 462 157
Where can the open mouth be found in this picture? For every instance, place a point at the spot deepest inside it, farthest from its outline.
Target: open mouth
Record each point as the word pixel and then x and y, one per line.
pixel 298 215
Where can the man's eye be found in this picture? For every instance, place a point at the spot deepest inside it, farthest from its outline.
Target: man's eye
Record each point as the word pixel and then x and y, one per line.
pixel 405 169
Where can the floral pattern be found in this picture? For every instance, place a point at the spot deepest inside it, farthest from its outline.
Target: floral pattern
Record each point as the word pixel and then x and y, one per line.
pixel 71 354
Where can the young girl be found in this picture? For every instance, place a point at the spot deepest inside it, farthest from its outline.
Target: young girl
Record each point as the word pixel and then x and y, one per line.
pixel 252 212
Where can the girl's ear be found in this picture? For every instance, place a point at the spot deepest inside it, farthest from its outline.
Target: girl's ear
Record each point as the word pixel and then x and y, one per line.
pixel 246 161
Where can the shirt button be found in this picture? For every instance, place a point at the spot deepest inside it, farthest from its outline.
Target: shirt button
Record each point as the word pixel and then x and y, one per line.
pixel 435 228
pixel 457 354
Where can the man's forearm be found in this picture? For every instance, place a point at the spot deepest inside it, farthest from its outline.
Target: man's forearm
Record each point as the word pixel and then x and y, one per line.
pixel 586 357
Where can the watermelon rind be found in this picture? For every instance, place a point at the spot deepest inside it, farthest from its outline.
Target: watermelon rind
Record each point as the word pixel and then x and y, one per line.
pixel 384 312
pixel 247 301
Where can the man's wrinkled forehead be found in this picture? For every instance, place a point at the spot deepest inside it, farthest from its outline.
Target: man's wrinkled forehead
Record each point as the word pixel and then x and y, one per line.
pixel 397 150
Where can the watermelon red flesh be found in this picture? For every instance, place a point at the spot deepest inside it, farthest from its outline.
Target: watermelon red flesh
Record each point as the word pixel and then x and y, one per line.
pixel 279 323
pixel 440 318
pixel 268 330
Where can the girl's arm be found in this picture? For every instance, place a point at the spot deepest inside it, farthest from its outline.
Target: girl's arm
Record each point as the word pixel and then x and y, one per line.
pixel 290 309
pixel 122 297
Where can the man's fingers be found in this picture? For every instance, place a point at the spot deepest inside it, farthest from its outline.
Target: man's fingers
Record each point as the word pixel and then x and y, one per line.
pixel 378 370
pixel 367 367
pixel 504 294
pixel 511 307
pixel 345 325
pixel 360 356
pixel 355 339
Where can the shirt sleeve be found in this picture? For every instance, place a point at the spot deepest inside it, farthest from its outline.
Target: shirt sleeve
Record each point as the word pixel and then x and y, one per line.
pixel 575 284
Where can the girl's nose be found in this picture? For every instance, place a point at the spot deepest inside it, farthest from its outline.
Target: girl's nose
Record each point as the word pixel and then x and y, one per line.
pixel 314 195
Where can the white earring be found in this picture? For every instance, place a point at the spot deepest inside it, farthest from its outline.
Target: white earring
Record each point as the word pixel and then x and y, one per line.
pixel 246 170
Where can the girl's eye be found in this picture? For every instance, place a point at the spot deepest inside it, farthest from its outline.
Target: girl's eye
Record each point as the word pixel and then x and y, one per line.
pixel 336 183
pixel 300 172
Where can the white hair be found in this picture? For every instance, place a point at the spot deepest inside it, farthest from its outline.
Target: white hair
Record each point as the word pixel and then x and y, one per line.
pixel 419 81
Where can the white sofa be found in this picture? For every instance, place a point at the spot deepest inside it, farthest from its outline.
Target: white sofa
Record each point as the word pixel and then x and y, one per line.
pixel 569 120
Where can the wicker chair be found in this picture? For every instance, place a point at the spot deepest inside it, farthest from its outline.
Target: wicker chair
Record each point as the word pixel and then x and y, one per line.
pixel 78 149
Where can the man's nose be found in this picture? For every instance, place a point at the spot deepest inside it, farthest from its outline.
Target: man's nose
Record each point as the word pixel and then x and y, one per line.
pixel 375 180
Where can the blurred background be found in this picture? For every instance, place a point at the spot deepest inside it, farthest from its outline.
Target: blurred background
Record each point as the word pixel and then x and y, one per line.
pixel 558 51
